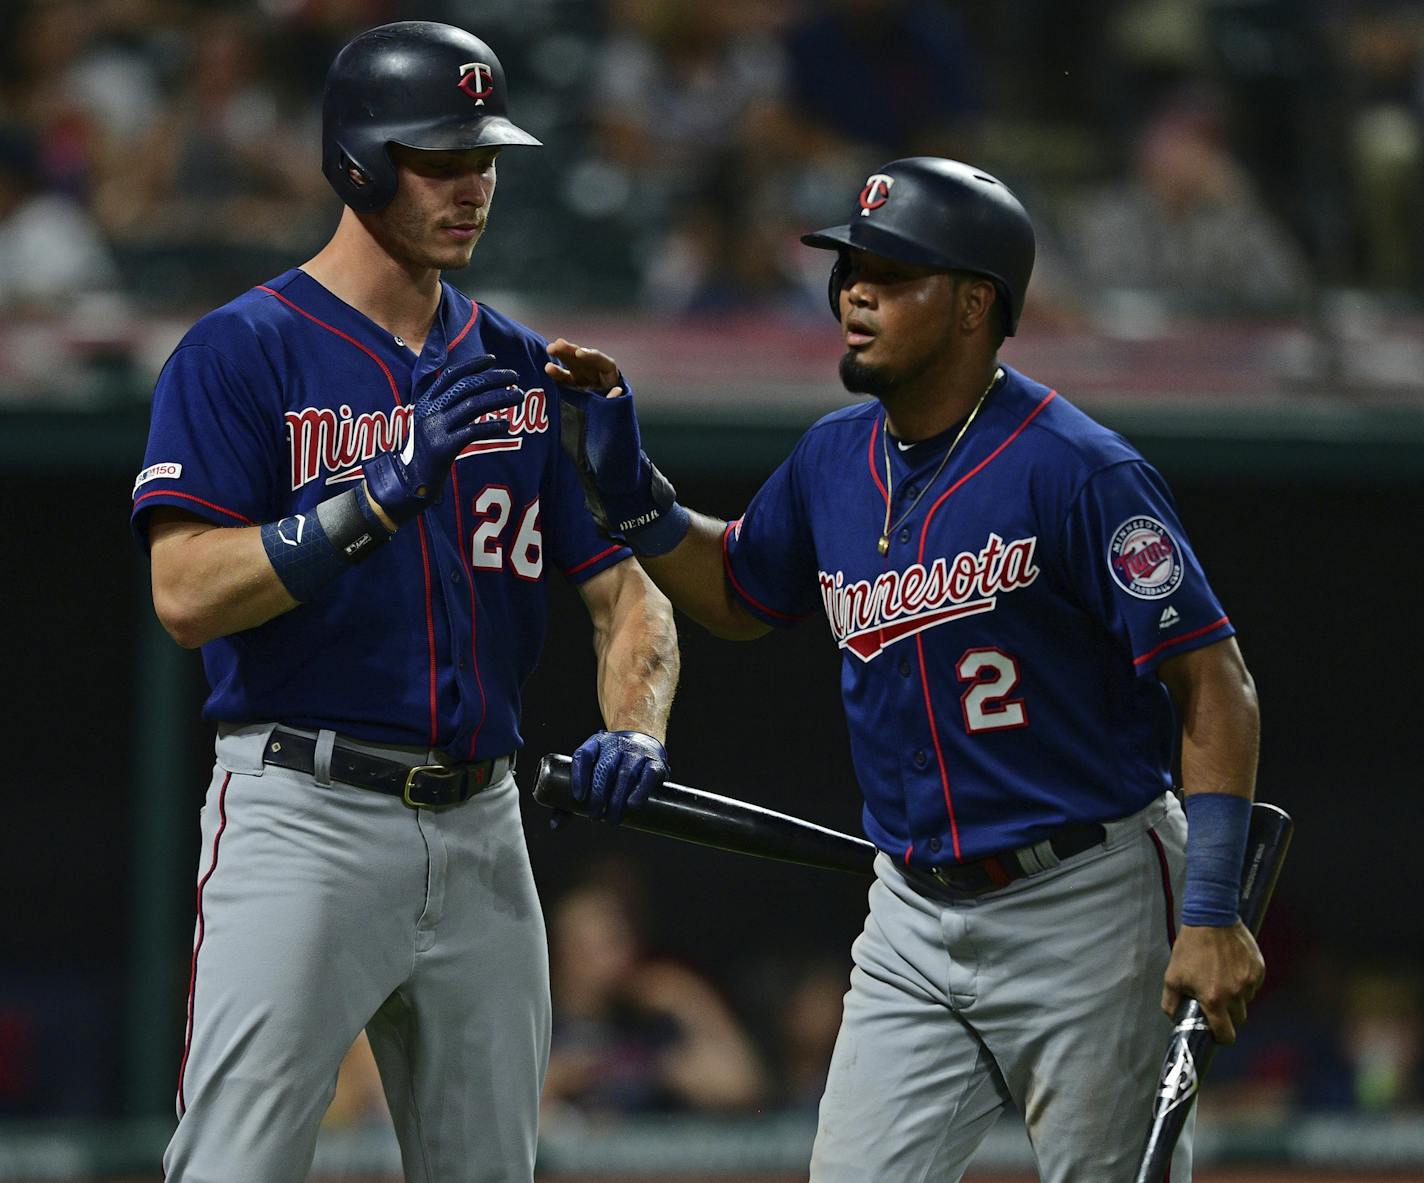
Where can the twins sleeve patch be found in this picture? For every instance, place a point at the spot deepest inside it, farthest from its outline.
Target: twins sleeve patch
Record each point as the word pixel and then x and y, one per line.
pixel 1144 559
pixel 156 472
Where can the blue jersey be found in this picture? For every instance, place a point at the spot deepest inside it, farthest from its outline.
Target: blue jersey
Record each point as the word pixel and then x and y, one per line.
pixel 271 405
pixel 997 661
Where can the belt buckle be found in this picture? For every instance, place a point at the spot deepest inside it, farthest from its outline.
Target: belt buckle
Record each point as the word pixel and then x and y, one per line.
pixel 972 879
pixel 957 883
pixel 439 772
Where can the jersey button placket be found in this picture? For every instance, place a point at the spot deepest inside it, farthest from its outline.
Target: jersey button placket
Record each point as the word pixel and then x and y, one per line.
pixel 920 759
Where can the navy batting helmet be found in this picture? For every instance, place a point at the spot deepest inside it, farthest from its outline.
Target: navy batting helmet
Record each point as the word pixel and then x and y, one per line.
pixel 415 83
pixel 943 214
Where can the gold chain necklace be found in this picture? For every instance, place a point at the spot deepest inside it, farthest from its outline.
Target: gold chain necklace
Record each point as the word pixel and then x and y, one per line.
pixel 883 546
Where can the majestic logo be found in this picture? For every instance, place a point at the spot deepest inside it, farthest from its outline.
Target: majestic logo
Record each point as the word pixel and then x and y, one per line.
pixel 1169 617
pixel 1144 559
pixel 867 618
pixel 338 442
pixel 156 472
pixel 875 194
pixel 477 81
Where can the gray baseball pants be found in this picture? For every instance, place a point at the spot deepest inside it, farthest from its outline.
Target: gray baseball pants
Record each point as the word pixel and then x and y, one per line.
pixel 1043 995
pixel 325 909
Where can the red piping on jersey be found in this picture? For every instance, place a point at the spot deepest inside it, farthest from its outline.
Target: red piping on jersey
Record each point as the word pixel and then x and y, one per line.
pixel 474 626
pixel 1166 888
pixel 1191 636
pixel 429 630
pixel 198 944
pixel 919 639
pixel 939 751
pixel 419 522
pixel 874 473
pixel 385 369
pixel 978 468
pixel 589 562
pixel 740 590
pixel 232 513
pixel 469 324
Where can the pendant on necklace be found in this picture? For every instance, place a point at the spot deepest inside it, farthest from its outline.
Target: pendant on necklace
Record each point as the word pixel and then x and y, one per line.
pixel 883 546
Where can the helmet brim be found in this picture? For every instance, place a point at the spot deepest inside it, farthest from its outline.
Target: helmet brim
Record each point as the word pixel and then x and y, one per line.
pixel 485 131
pixel 876 242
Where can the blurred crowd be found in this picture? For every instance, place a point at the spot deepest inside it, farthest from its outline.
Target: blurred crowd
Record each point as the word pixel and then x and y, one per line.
pixel 1199 155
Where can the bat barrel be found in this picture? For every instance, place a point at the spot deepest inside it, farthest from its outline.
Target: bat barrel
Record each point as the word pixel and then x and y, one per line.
pixel 693 815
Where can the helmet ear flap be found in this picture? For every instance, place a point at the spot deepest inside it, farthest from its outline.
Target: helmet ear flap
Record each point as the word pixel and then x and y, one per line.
pixel 837 280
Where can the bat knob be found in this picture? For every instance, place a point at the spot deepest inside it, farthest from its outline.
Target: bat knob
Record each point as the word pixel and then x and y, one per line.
pixel 552 786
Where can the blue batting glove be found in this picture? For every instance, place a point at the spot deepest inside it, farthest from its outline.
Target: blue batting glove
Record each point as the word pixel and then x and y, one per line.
pixel 626 494
pixel 446 420
pixel 616 770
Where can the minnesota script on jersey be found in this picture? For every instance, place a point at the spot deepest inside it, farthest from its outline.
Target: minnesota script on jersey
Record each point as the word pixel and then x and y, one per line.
pixel 269 406
pixel 1014 622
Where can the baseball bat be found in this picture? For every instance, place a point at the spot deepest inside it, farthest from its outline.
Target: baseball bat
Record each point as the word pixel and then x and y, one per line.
pixel 693 815
pixel 1190 1050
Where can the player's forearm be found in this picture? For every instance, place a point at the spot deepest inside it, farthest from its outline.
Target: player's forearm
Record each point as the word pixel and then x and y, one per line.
pixel 638 659
pixel 212 581
pixel 691 575
pixel 1221 723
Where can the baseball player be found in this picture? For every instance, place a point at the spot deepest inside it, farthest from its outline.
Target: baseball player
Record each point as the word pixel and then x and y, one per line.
pixel 1024 630
pixel 363 861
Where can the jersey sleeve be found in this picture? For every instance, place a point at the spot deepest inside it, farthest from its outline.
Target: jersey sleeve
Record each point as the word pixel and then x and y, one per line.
pixel 769 554
pixel 213 446
pixel 577 546
pixel 1129 559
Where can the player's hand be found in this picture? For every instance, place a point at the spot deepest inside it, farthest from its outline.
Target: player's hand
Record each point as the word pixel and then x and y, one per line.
pixel 447 418
pixel 626 494
pixel 583 369
pixel 616 770
pixel 1221 968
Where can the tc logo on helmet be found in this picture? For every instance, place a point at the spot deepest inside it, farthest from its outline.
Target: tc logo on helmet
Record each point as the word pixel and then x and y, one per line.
pixel 477 81
pixel 875 194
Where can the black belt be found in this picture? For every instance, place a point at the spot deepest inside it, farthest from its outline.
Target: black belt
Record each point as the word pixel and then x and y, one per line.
pixel 998 870
pixel 419 786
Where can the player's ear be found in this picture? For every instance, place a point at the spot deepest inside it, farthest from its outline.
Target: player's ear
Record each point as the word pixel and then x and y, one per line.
pixel 976 301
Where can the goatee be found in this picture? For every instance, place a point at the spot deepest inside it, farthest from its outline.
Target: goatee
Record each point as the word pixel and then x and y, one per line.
pixel 859 378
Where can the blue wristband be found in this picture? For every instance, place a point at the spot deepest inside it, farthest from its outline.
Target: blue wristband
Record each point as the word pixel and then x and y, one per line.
pixel 309 550
pixel 1216 846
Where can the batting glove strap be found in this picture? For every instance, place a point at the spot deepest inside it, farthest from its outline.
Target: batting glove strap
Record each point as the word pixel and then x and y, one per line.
pixel 393 489
pixel 658 523
pixel 1216 846
pixel 309 550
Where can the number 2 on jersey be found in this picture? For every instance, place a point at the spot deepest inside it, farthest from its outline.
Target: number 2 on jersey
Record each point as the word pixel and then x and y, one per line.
pixel 987 705
pixel 494 504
